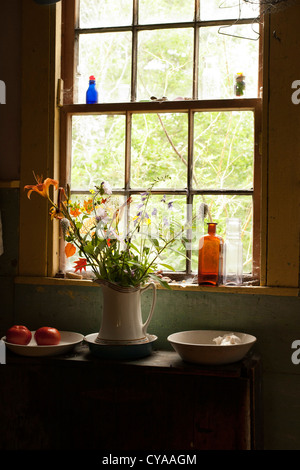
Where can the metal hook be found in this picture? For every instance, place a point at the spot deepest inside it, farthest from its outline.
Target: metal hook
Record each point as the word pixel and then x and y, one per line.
pixel 236 22
pixel 236 35
pixel 230 6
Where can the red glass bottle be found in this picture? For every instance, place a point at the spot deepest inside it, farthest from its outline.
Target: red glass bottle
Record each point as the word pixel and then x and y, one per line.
pixel 210 257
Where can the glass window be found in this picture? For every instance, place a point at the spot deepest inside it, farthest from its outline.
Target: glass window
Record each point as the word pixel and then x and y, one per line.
pixel 100 13
pixel 166 11
pixel 159 148
pixel 223 53
pixel 165 63
pixel 168 110
pixel 224 150
pixel 98 147
pixel 108 57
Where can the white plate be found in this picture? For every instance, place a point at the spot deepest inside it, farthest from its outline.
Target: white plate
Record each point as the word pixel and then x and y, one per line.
pixel 197 346
pixel 120 350
pixel 68 341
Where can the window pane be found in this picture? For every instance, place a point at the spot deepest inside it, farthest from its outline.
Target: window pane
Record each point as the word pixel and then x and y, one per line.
pixel 159 149
pixel 165 64
pixel 99 13
pixel 108 58
pixel 220 208
pixel 163 216
pixel 164 11
pixel 224 150
pixel 222 57
pixel 98 148
pixel 227 9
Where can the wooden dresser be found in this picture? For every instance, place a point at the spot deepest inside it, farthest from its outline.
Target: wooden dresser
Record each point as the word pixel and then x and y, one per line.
pixel 158 403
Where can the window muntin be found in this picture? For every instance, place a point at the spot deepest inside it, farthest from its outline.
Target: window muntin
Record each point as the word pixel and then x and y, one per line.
pixel 175 127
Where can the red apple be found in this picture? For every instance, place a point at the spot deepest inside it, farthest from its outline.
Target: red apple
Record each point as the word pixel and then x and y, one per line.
pixel 47 336
pixel 18 334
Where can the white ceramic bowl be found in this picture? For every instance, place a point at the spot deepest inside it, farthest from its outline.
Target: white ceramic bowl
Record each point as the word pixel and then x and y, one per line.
pixel 197 346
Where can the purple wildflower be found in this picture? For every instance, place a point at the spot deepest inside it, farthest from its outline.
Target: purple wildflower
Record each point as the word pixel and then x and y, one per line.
pixel 144 195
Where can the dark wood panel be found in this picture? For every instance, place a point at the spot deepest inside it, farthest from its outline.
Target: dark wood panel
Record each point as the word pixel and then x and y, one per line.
pixel 83 403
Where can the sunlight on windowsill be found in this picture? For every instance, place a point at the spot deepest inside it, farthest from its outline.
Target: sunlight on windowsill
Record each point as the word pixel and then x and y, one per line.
pixel 174 286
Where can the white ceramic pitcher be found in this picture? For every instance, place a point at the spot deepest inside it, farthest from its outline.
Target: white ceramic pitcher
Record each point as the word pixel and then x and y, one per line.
pixel 122 316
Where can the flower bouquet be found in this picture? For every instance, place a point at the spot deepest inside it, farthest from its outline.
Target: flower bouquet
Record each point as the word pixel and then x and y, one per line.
pixel 115 244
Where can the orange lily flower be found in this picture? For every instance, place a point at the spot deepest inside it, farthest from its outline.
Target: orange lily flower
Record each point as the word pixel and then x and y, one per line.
pixel 88 206
pixel 80 264
pixel 42 188
pixel 75 210
pixel 56 214
pixel 70 250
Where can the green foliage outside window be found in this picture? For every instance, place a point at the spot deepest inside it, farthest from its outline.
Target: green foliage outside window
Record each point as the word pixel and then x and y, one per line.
pixel 223 149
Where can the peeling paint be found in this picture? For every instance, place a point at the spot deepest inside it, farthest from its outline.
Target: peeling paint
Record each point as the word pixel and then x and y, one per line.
pixel 67 293
pixel 40 289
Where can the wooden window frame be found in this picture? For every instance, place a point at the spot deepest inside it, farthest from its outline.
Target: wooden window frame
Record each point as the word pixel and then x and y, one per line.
pixel 70 35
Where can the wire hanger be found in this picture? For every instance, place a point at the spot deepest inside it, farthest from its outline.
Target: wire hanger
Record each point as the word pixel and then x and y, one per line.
pixel 221 28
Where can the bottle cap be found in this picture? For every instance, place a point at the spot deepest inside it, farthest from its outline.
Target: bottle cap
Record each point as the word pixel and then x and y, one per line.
pixel 92 77
pixel 233 225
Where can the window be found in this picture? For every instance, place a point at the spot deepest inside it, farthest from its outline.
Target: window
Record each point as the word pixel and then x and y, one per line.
pixel 166 74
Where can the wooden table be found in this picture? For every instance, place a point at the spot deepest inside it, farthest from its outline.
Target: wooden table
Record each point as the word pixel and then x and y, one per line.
pixel 158 403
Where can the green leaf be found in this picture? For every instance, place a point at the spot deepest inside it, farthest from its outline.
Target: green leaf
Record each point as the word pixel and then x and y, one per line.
pixel 176 251
pixel 89 249
pixel 134 248
pixel 100 246
pixel 167 266
pixel 161 282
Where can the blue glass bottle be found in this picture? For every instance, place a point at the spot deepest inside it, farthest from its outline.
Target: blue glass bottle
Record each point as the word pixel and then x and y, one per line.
pixel 92 93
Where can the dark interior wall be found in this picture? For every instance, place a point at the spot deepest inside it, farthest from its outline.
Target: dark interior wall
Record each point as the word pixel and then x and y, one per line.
pixel 10 148
pixel 273 319
pixel 11 75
